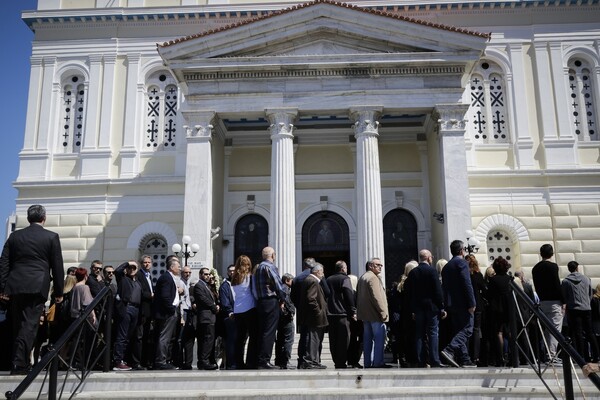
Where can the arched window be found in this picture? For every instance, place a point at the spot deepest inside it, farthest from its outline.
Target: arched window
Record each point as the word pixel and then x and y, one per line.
pixel 161 112
pixel 155 246
pixel 487 117
pixel 74 101
pixel 583 116
pixel 499 244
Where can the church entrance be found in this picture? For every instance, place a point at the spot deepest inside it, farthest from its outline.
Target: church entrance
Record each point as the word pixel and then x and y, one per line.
pixel 400 243
pixel 325 237
pixel 251 236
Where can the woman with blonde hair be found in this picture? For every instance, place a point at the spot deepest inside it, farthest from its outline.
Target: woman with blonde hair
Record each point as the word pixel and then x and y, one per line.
pixel 479 290
pixel 407 350
pixel 244 314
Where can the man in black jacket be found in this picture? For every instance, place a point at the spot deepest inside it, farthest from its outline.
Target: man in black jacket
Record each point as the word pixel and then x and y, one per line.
pixel 207 309
pixel 340 311
pixel 127 306
pixel 30 258
pixel 424 292
pixel 142 349
pixel 166 301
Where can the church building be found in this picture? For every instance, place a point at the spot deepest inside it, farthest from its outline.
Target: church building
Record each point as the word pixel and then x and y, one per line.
pixel 339 131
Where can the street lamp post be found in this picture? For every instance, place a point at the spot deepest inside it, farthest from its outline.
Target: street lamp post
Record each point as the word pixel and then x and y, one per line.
pixel 472 243
pixel 188 250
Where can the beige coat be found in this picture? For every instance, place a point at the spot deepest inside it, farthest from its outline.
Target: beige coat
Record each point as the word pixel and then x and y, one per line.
pixel 371 301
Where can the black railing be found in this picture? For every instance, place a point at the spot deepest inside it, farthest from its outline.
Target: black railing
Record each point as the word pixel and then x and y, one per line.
pixel 84 347
pixel 568 353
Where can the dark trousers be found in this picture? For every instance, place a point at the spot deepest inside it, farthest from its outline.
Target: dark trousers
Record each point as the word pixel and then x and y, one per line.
pixel 126 330
pixel 25 311
pixel 284 342
pixel 230 338
pixel 142 347
pixel 314 339
pixel 268 318
pixel 206 344
pixel 462 329
pixel 355 347
pixel 580 326
pixel 339 339
pixel 246 330
pixel 187 338
pixel 165 328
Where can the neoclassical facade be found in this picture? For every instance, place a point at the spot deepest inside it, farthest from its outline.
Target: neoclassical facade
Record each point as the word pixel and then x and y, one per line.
pixel 324 129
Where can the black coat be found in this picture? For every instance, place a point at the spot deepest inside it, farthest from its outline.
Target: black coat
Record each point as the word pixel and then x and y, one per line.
pixel 206 306
pixel 164 294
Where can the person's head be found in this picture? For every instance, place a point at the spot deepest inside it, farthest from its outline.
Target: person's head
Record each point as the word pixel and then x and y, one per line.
pixel 36 214
pixel 287 279
pixel 96 267
pixel 409 266
pixel 425 256
pixel 489 272
pixel 440 264
pixel 70 281
pixel 186 273
pixel 340 266
pixel 108 272
pixel 573 266
pixel 146 262
pixel 457 248
pixel 242 268
pixel 500 266
pixel 597 291
pixel 473 264
pixel 308 262
pixel 131 269
pixel 318 271
pixel 205 274
pixel 81 274
pixel 230 271
pixel 375 265
pixel 173 266
pixel 520 274
pixel 71 270
pixel 268 254
pixel 546 251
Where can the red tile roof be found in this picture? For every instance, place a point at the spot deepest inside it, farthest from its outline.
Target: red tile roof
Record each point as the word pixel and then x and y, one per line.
pixel 271 14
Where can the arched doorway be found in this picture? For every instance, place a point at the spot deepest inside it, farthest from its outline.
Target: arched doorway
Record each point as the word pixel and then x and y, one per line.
pixel 400 243
pixel 325 237
pixel 251 236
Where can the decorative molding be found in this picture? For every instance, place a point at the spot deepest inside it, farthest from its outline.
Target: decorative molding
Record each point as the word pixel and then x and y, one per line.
pixel 515 228
pixel 145 229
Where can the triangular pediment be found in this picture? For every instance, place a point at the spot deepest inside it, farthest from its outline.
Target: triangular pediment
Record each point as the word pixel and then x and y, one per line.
pixel 321 29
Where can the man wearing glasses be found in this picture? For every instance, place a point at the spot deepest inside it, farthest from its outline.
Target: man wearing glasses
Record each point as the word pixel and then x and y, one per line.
pixel 372 309
pixel 108 275
pixel 207 309
pixel 95 278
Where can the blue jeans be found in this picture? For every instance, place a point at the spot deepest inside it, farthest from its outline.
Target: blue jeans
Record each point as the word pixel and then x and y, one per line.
pixel 374 342
pixel 462 328
pixel 427 325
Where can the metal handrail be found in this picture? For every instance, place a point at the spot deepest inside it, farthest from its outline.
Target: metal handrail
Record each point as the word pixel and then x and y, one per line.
pixel 566 346
pixel 103 306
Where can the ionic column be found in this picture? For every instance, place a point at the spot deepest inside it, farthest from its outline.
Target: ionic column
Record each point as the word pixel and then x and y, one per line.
pixel 368 184
pixel 198 204
pixel 282 224
pixel 453 170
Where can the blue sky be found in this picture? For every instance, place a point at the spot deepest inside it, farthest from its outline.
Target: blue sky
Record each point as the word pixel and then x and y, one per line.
pixel 13 103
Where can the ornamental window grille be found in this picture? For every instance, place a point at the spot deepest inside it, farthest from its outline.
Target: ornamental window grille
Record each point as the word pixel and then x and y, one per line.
pixel 162 102
pixel 582 102
pixel 156 247
pixel 74 104
pixel 499 244
pixel 487 120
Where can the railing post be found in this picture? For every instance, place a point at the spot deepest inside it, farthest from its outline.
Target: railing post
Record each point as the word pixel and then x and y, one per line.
pixel 568 377
pixel 108 332
pixel 53 379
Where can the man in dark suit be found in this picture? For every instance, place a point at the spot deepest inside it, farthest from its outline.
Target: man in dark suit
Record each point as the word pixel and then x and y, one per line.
pixel 166 301
pixel 206 309
pixel 426 300
pixel 340 311
pixel 30 258
pixel 94 280
pixel 312 313
pixel 459 299
pixel 142 352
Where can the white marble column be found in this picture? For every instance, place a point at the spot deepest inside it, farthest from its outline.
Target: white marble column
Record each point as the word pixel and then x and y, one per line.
pixel 455 179
pixel 369 223
pixel 198 203
pixel 282 224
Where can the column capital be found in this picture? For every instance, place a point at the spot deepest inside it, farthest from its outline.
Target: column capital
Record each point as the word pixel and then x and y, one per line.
pixel 451 117
pixel 200 121
pixel 365 120
pixel 281 120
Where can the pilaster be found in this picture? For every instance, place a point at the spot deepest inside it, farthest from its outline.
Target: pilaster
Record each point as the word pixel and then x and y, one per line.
pixel 455 180
pixel 368 184
pixel 130 163
pixel 282 224
pixel 198 209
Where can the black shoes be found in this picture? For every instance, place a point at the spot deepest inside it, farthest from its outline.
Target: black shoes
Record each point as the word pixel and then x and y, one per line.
pixel 164 367
pixel 449 357
pixel 208 367
pixel 267 366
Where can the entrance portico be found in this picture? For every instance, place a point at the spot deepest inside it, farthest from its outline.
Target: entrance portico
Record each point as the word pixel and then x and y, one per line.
pixel 347 85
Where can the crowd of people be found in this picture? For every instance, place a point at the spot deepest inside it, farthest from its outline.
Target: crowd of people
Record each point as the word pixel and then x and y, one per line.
pixel 443 314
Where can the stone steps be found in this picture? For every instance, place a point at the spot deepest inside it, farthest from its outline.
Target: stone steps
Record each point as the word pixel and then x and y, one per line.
pixel 394 383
